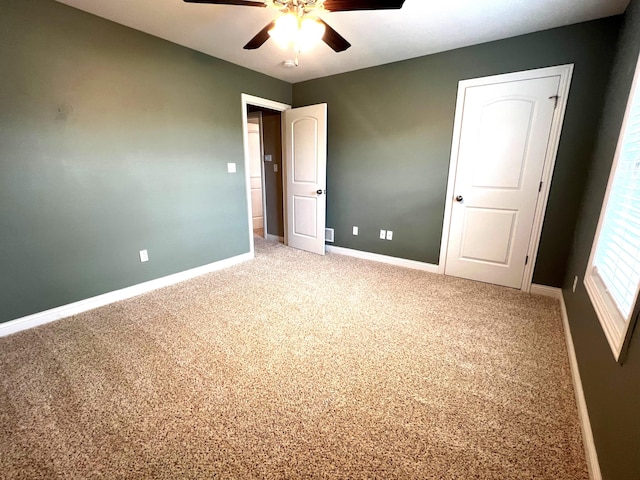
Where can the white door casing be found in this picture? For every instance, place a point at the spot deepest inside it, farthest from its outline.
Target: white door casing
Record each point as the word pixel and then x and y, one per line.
pixel 305 158
pixel 505 141
pixel 245 101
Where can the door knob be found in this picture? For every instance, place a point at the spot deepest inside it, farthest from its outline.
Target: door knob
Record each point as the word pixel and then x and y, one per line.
pixel 319 192
pixel 459 199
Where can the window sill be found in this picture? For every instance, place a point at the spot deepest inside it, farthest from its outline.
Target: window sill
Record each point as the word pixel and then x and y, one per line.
pixel 613 324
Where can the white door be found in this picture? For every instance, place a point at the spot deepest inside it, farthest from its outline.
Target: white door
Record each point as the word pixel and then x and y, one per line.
pixel 305 155
pixel 255 173
pixel 504 135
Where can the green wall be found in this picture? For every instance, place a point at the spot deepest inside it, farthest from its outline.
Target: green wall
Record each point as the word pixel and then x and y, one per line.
pixel 112 141
pixel 612 391
pixel 390 132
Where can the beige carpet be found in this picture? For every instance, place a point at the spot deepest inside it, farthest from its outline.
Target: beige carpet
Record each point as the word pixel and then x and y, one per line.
pixel 296 366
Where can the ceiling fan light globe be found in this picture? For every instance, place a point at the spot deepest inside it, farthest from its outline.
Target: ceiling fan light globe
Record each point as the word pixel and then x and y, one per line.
pixel 310 34
pixel 285 30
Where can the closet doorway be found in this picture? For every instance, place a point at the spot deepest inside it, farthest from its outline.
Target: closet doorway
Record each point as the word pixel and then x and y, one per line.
pixel 264 135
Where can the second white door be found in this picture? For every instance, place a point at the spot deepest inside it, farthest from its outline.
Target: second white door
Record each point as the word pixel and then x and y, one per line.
pixel 504 135
pixel 305 153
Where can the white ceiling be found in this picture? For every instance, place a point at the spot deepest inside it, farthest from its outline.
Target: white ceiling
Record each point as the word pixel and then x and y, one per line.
pixel 421 27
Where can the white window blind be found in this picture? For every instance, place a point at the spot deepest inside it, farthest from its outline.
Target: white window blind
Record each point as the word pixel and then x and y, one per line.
pixel 612 278
pixel 617 259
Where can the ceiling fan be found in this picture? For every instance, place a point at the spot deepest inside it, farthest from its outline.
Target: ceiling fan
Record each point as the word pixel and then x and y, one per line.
pixel 300 18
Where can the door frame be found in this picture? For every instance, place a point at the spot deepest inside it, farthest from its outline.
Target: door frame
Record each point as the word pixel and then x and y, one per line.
pixel 565 72
pixel 247 100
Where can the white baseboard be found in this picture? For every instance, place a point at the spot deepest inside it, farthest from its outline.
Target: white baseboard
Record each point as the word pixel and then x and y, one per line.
pixel 400 262
pixel 543 290
pixel 583 414
pixel 274 238
pixel 40 318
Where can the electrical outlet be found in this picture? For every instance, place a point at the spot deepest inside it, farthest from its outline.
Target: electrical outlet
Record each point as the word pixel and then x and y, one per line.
pixel 275 167
pixel 389 235
pixel 575 283
pixel 231 167
pixel 144 256
pixel 383 234
pixel 355 230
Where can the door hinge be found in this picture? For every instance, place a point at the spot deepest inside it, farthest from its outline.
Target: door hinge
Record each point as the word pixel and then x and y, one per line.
pixel 526 260
pixel 556 98
pixel 540 187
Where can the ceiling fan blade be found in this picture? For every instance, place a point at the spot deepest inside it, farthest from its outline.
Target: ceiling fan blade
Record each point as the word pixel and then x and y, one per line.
pixel 332 38
pixel 348 5
pixel 260 38
pixel 229 2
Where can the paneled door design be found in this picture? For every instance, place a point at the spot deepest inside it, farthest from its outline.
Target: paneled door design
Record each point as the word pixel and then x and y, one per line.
pixel 306 171
pixel 254 137
pixel 503 144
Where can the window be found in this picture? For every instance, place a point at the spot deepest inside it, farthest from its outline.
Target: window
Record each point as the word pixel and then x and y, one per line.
pixel 612 279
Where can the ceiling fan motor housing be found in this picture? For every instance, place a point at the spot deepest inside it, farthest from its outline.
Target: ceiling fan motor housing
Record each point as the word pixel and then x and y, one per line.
pixel 299 7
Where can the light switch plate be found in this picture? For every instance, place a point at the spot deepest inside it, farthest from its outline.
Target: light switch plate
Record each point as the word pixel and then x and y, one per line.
pixel 144 256
pixel 355 230
pixel 389 235
pixel 383 234
pixel 275 167
pixel 231 167
pixel 267 158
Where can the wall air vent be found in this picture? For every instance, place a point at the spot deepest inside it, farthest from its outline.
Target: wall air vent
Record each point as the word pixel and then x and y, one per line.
pixel 328 235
